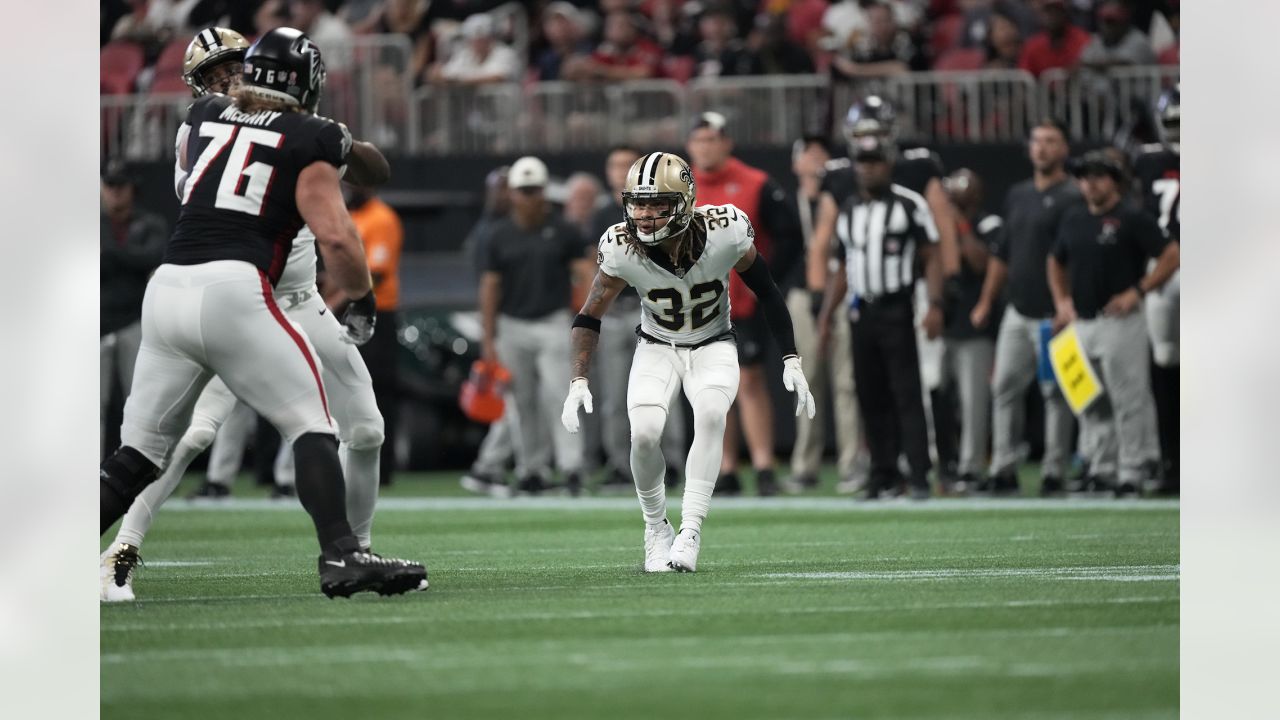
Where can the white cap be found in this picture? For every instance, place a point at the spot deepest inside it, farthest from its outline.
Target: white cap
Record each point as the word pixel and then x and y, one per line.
pixel 528 171
pixel 477 26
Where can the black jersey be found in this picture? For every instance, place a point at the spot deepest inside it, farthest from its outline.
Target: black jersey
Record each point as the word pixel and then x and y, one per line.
pixel 1157 170
pixel 239 199
pixel 1105 254
pixel 913 170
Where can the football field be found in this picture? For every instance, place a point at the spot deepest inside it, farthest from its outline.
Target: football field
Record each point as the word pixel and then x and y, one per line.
pixel 808 607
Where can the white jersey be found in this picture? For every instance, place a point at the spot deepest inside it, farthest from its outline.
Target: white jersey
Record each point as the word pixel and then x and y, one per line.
pixel 684 307
pixel 300 269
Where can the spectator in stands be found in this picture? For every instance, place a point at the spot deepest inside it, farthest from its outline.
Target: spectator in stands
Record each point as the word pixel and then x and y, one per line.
pixel 270 15
pixel 325 29
pixel 886 49
pixel 1058 45
pixel 978 15
pixel 1117 42
pixel 131 244
pixel 1004 42
pixel 719 52
pixel 148 23
pixel 563 31
pixel 483 59
pixel 847 23
pixel 411 19
pixel 804 23
pixel 775 52
pixel 624 54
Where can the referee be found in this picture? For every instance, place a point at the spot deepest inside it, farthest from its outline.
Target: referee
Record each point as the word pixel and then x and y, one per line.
pixel 1097 273
pixel 883 231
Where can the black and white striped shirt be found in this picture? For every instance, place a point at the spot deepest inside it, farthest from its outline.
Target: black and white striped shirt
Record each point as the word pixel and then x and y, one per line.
pixel 878 241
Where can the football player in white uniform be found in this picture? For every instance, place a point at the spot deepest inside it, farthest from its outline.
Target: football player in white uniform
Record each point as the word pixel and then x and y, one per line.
pixel 213 64
pixel 678 257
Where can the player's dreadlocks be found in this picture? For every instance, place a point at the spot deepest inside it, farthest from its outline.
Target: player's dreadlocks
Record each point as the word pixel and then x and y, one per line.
pixel 689 243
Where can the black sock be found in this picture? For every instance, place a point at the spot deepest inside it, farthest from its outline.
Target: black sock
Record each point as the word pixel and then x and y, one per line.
pixel 120 478
pixel 323 492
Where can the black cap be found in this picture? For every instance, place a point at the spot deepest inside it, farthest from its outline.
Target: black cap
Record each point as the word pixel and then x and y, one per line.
pixel 116 174
pixel 1097 162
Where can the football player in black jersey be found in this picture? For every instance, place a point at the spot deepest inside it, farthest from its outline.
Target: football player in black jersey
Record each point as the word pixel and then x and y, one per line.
pixel 918 169
pixel 261 165
pixel 1157 170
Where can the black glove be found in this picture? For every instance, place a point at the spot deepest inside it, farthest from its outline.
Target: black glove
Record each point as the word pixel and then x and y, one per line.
pixel 359 319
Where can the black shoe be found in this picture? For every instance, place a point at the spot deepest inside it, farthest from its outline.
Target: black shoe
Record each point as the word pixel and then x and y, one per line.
pixel 531 485
pixel 984 485
pixel 1096 483
pixel 728 485
pixel 279 491
pixel 766 483
pixel 1005 484
pixel 573 483
pixel 354 572
pixel 920 491
pixel 1051 486
pixel 209 491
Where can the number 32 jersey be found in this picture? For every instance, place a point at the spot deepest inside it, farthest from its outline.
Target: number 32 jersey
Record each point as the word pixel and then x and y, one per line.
pixel 239 199
pixel 689 304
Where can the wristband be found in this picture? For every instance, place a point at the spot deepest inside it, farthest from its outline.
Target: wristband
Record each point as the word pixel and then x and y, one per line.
pixel 587 322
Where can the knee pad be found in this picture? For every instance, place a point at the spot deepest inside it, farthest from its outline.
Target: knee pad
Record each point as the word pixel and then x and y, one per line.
pixel 710 408
pixel 127 472
pixel 647 423
pixel 365 436
pixel 200 436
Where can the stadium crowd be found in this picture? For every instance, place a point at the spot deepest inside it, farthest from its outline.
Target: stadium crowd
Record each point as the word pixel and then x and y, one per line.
pixel 481 41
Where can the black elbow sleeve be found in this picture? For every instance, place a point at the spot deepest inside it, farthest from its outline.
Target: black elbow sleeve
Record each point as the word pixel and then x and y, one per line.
pixel 760 282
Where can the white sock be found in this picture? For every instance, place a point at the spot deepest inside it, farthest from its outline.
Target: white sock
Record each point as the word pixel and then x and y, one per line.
pixel 648 467
pixel 710 407
pixel 360 468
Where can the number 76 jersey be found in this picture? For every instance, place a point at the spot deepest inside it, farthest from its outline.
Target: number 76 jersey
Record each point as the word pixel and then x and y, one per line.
pixel 684 304
pixel 238 202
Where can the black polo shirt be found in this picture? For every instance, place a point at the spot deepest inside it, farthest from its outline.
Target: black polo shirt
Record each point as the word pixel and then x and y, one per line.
pixel 989 230
pixel 1031 220
pixel 534 265
pixel 1105 254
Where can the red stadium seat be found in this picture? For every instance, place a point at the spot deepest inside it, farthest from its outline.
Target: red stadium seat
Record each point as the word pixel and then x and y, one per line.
pixel 119 64
pixel 961 59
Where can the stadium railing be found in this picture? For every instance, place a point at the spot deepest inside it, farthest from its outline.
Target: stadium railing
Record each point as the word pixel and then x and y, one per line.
pixel 374 96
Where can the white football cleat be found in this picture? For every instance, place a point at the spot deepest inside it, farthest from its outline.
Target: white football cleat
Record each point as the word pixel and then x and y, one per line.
pixel 657 546
pixel 684 551
pixel 116 572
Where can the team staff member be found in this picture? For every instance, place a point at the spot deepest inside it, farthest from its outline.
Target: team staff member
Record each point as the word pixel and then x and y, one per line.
pixel 884 232
pixel 1032 211
pixel 809 158
pixel 1097 273
pixel 970 351
pixel 530 258
pixel 132 244
pixel 725 180
pixel 383 236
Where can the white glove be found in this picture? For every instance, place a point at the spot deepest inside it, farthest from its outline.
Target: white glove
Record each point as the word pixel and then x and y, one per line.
pixel 579 397
pixel 793 380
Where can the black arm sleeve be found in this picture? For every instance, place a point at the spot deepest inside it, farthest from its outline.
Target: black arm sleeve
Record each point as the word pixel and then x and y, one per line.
pixel 760 282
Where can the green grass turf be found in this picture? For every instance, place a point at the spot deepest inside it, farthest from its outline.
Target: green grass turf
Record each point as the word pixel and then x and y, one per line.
pixel 953 609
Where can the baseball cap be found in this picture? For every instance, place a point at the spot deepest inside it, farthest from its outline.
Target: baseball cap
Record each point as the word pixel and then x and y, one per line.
pixel 713 120
pixel 528 171
pixel 1097 162
pixel 477 26
pixel 115 174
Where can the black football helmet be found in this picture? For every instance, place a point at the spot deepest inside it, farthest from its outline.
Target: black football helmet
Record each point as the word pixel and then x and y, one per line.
pixel 1169 114
pixel 870 129
pixel 285 65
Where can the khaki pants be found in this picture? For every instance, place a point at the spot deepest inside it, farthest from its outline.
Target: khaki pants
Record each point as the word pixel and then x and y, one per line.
pixel 1118 432
pixel 806 458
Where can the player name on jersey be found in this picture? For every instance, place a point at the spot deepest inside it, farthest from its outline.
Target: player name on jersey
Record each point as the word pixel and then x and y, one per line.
pixel 264 117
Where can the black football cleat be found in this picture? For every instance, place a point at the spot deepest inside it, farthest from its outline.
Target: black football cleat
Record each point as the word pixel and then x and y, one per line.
pixel 728 485
pixel 350 573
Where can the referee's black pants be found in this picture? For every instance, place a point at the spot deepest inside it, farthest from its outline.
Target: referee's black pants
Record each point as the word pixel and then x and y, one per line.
pixel 380 355
pixel 886 369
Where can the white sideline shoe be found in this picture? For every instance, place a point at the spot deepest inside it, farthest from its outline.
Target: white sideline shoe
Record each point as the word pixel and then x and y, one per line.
pixel 657 546
pixel 684 551
pixel 116 573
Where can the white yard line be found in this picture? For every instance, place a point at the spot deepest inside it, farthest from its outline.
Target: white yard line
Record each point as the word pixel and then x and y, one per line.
pixel 830 504
pixel 1129 573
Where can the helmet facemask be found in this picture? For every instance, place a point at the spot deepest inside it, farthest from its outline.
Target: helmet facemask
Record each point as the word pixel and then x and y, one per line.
pixel 211 49
pixel 676 212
